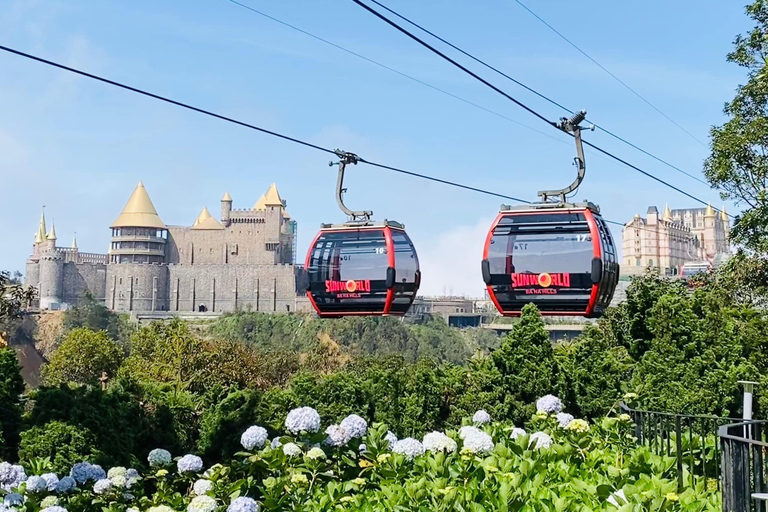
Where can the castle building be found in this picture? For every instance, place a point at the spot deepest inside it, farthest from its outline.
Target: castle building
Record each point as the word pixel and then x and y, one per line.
pixel 676 237
pixel 244 260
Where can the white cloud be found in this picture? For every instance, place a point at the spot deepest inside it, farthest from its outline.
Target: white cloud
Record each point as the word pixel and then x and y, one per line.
pixel 451 264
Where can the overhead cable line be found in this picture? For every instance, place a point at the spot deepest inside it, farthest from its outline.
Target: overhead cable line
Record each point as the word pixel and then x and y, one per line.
pixel 248 125
pixel 537 93
pixel 630 89
pixel 263 130
pixel 393 70
pixel 517 102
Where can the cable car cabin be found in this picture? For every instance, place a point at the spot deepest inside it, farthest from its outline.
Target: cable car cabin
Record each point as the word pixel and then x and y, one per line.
pixel 560 258
pixel 362 270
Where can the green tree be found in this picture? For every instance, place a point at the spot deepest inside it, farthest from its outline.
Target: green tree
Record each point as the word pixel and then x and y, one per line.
pixel 14 298
pixel 62 443
pixel 11 388
pixel 82 357
pixel 94 315
pixel 738 165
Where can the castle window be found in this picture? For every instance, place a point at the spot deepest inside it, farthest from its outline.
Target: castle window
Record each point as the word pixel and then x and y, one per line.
pixel 121 280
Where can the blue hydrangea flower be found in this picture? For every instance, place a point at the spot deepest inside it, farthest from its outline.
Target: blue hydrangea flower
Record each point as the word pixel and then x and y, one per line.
pixel 355 425
pixel 81 472
pixel 409 447
pixel 439 442
pixel 55 508
pixel 11 476
pixel 337 436
pixel 563 419
pixel 13 499
pixel 243 504
pixel 133 474
pixel 65 485
pixel 202 504
pixel 391 438
pixel 478 442
pixel 97 472
pixel 549 404
pixel 36 484
pixel 254 437
pixel 291 449
pixel 190 464
pixel 302 419
pixel 50 481
pixel 159 458
pixel 481 417
pixel 102 486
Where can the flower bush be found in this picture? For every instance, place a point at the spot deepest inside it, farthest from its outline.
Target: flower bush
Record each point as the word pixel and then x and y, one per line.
pixel 485 466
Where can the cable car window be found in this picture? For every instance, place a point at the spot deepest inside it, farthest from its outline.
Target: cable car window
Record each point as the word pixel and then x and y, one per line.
pixel 351 255
pixel 406 261
pixel 541 252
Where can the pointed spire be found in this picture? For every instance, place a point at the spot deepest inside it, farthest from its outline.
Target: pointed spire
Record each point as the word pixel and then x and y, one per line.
pixel 226 197
pixel 52 232
pixel 74 240
pixel 709 212
pixel 272 197
pixel 204 215
pixel 667 213
pixel 261 204
pixel 723 215
pixel 41 231
pixel 139 212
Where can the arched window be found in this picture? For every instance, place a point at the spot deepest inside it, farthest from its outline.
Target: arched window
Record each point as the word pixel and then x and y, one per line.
pixel 650 263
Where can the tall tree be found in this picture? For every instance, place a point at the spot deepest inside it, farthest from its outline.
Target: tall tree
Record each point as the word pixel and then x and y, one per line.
pixel 738 165
pixel 14 298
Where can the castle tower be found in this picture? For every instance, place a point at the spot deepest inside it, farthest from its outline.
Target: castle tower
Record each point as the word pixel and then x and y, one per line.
pixel 51 272
pixel 137 275
pixel 226 209
pixel 32 273
pixel 709 233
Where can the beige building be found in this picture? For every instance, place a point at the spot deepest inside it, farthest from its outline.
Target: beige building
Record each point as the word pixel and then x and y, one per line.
pixel 244 260
pixel 669 240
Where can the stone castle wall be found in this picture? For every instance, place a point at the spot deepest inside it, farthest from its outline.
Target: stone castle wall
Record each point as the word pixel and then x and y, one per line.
pixel 137 287
pixel 80 278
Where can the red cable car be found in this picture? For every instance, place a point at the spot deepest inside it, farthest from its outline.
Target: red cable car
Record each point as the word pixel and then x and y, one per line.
pixel 361 267
pixel 557 255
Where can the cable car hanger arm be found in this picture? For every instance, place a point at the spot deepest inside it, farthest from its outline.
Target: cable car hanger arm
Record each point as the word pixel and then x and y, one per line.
pixel 346 158
pixel 571 126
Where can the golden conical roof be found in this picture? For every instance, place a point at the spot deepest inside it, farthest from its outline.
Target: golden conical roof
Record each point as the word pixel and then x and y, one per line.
pixel 261 204
pixel 723 215
pixel 204 215
pixel 709 212
pixel 41 231
pixel 52 232
pixel 139 212
pixel 667 213
pixel 206 221
pixel 272 197
pixel 227 197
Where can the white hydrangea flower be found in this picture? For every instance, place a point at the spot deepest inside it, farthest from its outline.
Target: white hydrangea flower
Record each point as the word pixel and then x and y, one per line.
pixel 190 464
pixel 51 480
pixel 119 481
pixel 540 440
pixel 481 417
pixel 390 438
pixel 618 503
pixel 65 485
pixel 115 471
pixel 160 508
pixel 302 419
pixel 355 425
pixel 54 508
pixel 549 404
pixel 159 458
pixel 202 487
pixel 563 419
pixel 478 442
pixel 291 449
pixel 49 501
pixel 276 442
pixel 102 486
pixel 11 476
pixel 517 432
pixel 467 430
pixel 439 442
pixel 316 453
pixel 337 436
pixel 36 484
pixel 409 447
pixel 363 448
pixel 202 504
pixel 254 437
pixel 132 509
pixel 243 504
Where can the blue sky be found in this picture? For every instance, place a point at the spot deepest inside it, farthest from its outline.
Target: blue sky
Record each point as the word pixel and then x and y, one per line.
pixel 80 147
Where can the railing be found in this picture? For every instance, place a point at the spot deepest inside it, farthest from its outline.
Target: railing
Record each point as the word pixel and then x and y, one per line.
pixel 691 439
pixel 743 444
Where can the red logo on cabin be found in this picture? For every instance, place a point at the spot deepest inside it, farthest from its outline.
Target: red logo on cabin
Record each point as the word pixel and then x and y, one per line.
pixel 348 289
pixel 543 280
